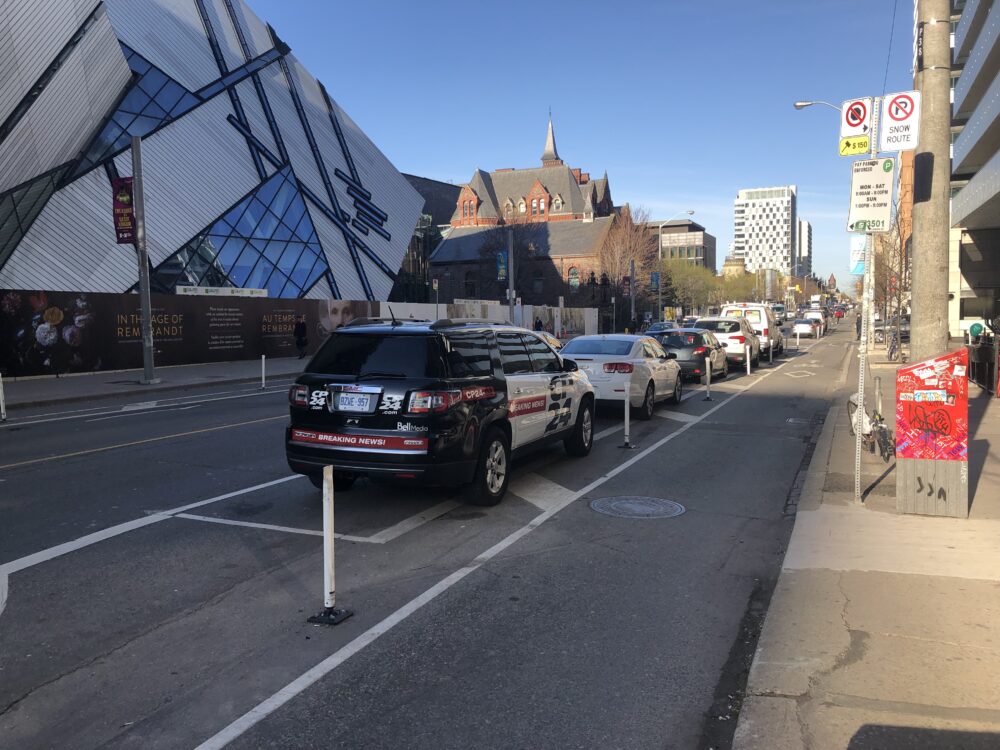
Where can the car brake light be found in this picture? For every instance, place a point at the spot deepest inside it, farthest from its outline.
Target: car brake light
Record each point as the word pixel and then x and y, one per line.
pixel 423 402
pixel 699 350
pixel 298 395
pixel 620 367
pixel 766 332
pixel 740 339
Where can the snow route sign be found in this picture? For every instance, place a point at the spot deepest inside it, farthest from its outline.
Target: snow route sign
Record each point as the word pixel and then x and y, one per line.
pixel 871 195
pixel 899 122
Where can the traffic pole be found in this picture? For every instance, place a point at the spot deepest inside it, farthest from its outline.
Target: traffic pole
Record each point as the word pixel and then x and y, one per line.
pixel 748 348
pixel 627 445
pixel 262 380
pixel 330 615
pixel 797 341
pixel 145 304
pixel 3 403
pixel 770 353
pixel 708 379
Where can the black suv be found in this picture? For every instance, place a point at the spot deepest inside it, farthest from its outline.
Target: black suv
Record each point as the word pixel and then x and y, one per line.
pixel 441 403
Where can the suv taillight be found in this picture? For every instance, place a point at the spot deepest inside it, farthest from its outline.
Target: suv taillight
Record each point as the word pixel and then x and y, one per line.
pixel 298 395
pixel 699 350
pixel 424 402
pixel 766 331
pixel 620 367
pixel 740 339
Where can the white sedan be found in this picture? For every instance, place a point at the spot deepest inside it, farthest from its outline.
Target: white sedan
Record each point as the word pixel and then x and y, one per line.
pixel 806 327
pixel 817 316
pixel 614 362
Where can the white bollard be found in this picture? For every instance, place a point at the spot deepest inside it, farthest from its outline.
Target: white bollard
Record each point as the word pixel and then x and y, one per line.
pixel 3 403
pixel 262 381
pixel 330 614
pixel 770 353
pixel 796 340
pixel 708 379
pixel 627 445
pixel 748 348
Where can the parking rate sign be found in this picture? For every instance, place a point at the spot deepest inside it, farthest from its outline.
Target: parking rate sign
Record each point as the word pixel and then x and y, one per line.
pixel 900 121
pixel 871 195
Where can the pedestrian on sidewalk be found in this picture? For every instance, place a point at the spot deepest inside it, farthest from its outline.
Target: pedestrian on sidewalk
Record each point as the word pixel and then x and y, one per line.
pixel 301 342
pixel 539 326
pixel 857 327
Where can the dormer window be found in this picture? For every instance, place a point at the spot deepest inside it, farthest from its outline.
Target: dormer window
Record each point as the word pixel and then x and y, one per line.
pixel 557 203
pixel 465 209
pixel 521 207
pixel 534 206
pixel 508 208
pixel 541 206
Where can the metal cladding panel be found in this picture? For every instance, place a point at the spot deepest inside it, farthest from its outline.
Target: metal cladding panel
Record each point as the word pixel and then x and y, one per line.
pixel 69 109
pixel 256 118
pixel 981 67
pixel 977 205
pixel 31 35
pixel 224 33
pixel 168 33
pixel 320 290
pixel 71 245
pixel 292 135
pixel 980 138
pixel 390 191
pixel 337 255
pixel 258 38
pixel 194 169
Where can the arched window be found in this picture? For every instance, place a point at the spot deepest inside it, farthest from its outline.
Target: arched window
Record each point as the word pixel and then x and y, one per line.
pixel 541 205
pixel 537 282
pixel 508 208
pixel 534 206
pixel 557 204
pixel 472 209
pixel 465 209
pixel 470 285
pixel 521 207
pixel 574 278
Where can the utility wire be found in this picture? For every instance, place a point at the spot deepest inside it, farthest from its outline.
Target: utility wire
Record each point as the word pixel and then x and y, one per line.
pixel 892 33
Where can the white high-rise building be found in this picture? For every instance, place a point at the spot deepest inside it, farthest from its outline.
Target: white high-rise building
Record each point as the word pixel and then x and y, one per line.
pixel 803 265
pixel 764 228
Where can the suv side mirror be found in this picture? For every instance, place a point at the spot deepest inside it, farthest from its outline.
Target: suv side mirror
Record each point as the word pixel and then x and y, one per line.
pixel 568 365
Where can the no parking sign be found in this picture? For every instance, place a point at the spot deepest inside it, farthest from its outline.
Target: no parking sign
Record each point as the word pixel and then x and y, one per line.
pixel 900 121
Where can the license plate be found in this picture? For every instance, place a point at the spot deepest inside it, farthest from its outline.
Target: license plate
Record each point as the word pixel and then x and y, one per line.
pixel 353 402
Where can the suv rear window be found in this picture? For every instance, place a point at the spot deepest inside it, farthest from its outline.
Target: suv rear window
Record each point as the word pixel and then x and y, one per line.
pixel 720 326
pixel 680 340
pixel 359 354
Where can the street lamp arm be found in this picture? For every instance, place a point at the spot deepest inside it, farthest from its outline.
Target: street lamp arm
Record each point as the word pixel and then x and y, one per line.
pixel 803 105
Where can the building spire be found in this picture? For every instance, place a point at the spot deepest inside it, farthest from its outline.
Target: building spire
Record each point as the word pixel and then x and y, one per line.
pixel 550 156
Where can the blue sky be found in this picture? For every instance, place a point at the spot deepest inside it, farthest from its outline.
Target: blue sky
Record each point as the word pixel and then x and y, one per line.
pixel 683 103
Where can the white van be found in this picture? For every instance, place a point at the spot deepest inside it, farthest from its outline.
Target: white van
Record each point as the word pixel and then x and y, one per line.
pixel 761 318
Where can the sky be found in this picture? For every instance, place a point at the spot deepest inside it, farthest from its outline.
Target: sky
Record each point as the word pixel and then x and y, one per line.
pixel 683 103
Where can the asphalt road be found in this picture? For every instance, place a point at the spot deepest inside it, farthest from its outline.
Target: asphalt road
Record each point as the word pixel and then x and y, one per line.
pixel 158 563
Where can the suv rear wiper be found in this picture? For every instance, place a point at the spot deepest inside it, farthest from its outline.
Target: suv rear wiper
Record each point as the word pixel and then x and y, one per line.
pixel 376 374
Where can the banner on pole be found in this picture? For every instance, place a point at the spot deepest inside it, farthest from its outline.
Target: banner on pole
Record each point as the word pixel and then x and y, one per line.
pixel 124 213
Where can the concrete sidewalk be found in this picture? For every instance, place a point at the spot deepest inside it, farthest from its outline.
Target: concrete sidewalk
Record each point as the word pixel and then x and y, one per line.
pixel 884 629
pixel 46 390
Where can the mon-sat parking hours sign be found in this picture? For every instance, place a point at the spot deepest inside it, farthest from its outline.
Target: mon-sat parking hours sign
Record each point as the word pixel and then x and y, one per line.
pixel 855 126
pixel 871 195
pixel 899 121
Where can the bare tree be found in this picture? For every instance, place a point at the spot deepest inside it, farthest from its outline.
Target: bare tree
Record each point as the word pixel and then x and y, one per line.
pixel 628 240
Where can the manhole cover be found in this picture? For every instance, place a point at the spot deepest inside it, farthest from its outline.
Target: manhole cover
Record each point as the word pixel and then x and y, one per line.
pixel 632 506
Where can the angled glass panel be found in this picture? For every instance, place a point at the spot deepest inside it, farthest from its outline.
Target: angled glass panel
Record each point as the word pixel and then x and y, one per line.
pixel 273 251
pixel 303 266
pixel 266 192
pixel 261 273
pixel 281 232
pixel 229 252
pixel 248 221
pixel 188 101
pixel 293 214
pixel 268 223
pixel 134 101
pixel 169 96
pixel 153 81
pixel 240 271
pixel 276 283
pixel 291 290
pixel 314 275
pixel 284 196
pixel 290 257
pixel 135 62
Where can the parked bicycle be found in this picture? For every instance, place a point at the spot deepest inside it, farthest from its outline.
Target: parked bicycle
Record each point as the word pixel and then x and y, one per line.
pixel 875 433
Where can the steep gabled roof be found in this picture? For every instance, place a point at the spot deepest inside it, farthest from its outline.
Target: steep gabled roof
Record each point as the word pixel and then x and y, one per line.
pixel 551 239
pixel 439 197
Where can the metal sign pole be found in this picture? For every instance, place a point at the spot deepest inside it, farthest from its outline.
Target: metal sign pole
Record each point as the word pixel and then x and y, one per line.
pixel 3 404
pixel 330 614
pixel 866 302
pixel 510 272
pixel 148 376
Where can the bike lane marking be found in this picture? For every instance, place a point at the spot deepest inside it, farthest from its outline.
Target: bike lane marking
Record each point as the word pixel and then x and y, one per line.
pixel 307 679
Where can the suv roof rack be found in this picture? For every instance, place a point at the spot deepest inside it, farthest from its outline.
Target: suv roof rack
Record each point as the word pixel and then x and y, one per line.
pixel 383 321
pixel 449 322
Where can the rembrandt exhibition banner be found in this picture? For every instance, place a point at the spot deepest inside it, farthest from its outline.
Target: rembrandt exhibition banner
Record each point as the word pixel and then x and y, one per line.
pixel 44 332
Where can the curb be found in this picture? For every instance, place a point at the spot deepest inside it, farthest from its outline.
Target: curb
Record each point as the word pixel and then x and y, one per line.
pixel 163 388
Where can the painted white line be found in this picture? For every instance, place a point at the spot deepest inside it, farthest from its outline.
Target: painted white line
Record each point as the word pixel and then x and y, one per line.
pixel 139 405
pixel 608 431
pixel 112 531
pixel 143 413
pixel 248 524
pixel 3 591
pixel 543 493
pixel 84 413
pixel 413 522
pixel 678 416
pixel 269 705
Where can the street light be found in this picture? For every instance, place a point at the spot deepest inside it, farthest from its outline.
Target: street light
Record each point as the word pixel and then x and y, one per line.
pixel 803 105
pixel 659 257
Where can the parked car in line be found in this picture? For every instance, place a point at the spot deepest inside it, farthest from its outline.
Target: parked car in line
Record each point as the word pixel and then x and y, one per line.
pixel 663 325
pixel 878 331
pixel 439 403
pixel 806 327
pixel 692 347
pixel 736 334
pixel 763 322
pixel 818 316
pixel 614 362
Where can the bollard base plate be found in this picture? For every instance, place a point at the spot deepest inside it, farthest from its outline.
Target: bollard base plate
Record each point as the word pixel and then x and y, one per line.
pixel 628 446
pixel 330 616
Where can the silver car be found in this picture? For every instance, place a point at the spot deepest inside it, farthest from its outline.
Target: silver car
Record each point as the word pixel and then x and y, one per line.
pixel 736 334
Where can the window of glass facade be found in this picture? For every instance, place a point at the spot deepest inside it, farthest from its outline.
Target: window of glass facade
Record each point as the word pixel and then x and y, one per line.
pixel 20 207
pixel 266 241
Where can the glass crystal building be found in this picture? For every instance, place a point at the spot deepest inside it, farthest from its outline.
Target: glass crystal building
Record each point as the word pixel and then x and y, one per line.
pixel 254 177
